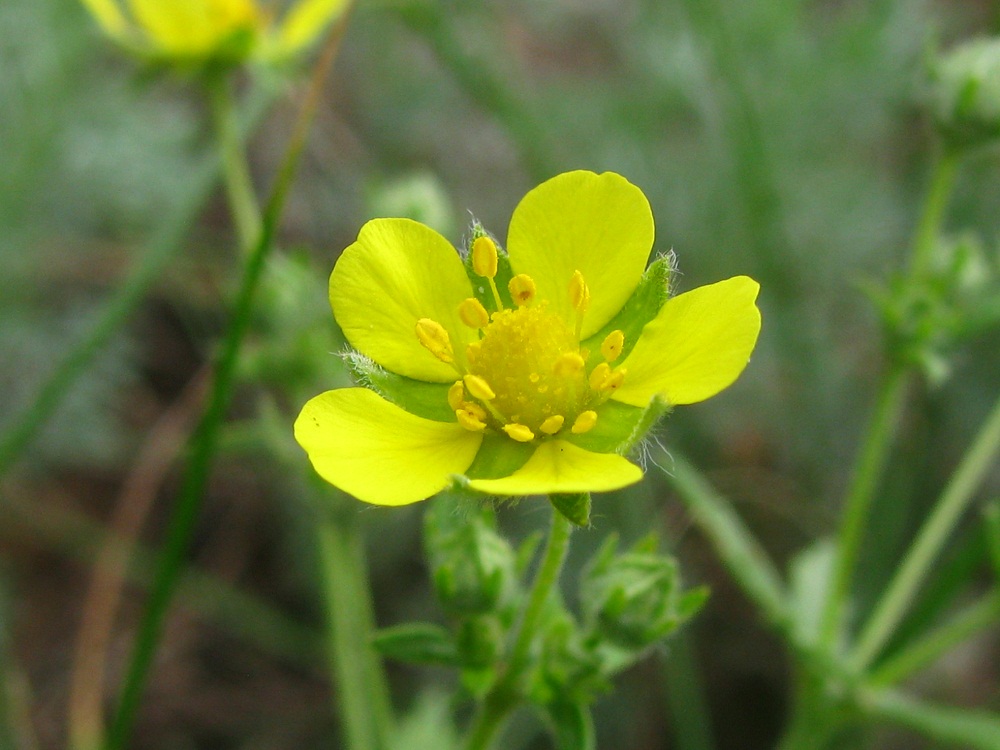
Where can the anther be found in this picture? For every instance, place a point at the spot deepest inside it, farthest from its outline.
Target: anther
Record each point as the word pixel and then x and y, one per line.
pixel 553 424
pixel 473 314
pixel 479 388
pixel 522 289
pixel 456 395
pixel 484 257
pixel 584 422
pixel 614 380
pixel 599 375
pixel 435 339
pixel 579 293
pixel 611 348
pixel 469 421
pixel 568 364
pixel 519 432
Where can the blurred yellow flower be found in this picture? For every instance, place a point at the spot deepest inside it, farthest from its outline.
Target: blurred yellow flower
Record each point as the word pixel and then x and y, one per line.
pixel 523 372
pixel 231 30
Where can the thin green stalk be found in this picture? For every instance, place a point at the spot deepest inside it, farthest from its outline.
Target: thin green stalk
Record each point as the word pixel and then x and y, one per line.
pixel 504 697
pixel 186 512
pixel 979 616
pixel 942 182
pixel 953 502
pixel 690 719
pixel 734 543
pixel 239 186
pixel 867 472
pixel 363 695
pixel 162 249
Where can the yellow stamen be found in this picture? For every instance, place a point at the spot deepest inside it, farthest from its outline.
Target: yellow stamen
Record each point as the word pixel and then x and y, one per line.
pixel 484 257
pixel 456 395
pixel 522 289
pixel 474 409
pixel 569 363
pixel 479 388
pixel 553 424
pixel 579 297
pixel 614 380
pixel 599 375
pixel 472 351
pixel 584 422
pixel 611 348
pixel 469 421
pixel 435 339
pixel 473 314
pixel 519 432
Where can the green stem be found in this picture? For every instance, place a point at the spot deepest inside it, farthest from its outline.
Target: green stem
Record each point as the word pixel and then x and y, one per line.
pixel 185 515
pixel 505 696
pixel 363 695
pixel 734 543
pixel 867 472
pixel 119 310
pixel 239 186
pixel 937 643
pixel 692 725
pixel 942 182
pixel 953 502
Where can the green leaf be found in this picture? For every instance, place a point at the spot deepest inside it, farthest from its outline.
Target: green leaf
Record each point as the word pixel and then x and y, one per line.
pixel 428 400
pixel 572 726
pixel 417 643
pixel 575 507
pixel 991 515
pixel 957 726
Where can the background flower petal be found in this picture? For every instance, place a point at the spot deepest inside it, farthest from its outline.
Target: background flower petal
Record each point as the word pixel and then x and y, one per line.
pixel 305 21
pixel 558 466
pixel 599 224
pixel 397 272
pixel 378 452
pixel 697 345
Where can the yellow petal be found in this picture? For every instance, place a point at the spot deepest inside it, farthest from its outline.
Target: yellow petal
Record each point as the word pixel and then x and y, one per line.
pixel 399 272
pixel 600 225
pixel 558 466
pixel 109 16
pixel 372 449
pixel 305 22
pixel 193 27
pixel 697 345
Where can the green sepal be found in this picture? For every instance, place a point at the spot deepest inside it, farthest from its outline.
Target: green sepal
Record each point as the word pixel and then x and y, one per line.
pixel 572 725
pixel 498 456
pixel 620 427
pixel 810 575
pixel 575 507
pixel 417 643
pixel 644 304
pixel 481 286
pixel 427 400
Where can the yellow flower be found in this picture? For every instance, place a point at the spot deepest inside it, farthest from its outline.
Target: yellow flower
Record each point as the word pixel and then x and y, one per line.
pixel 523 372
pixel 231 30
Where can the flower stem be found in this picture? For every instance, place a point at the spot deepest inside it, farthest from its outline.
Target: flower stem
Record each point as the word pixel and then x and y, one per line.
pixel 942 181
pixel 186 512
pixel 239 187
pixel 953 502
pixel 505 696
pixel 867 472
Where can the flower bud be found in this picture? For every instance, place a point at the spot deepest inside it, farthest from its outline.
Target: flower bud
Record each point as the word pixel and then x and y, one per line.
pixel 965 93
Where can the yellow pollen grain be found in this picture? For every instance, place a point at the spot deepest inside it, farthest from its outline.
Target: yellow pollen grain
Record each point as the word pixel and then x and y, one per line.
pixel 435 339
pixel 479 388
pixel 599 375
pixel 519 432
pixel 568 364
pixel 484 257
pixel 579 293
pixel 469 421
pixel 584 422
pixel 611 348
pixel 473 314
pixel 522 289
pixel 553 424
pixel 456 395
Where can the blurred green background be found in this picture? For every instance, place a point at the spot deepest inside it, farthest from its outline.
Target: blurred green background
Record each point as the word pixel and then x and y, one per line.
pixel 784 139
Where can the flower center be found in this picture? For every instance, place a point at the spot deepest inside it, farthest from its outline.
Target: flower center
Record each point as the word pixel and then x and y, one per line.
pixel 526 375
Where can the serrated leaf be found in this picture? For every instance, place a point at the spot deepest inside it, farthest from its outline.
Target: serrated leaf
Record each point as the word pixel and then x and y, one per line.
pixel 417 643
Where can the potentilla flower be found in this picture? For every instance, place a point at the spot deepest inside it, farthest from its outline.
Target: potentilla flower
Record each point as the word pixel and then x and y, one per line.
pixel 229 30
pixel 530 371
